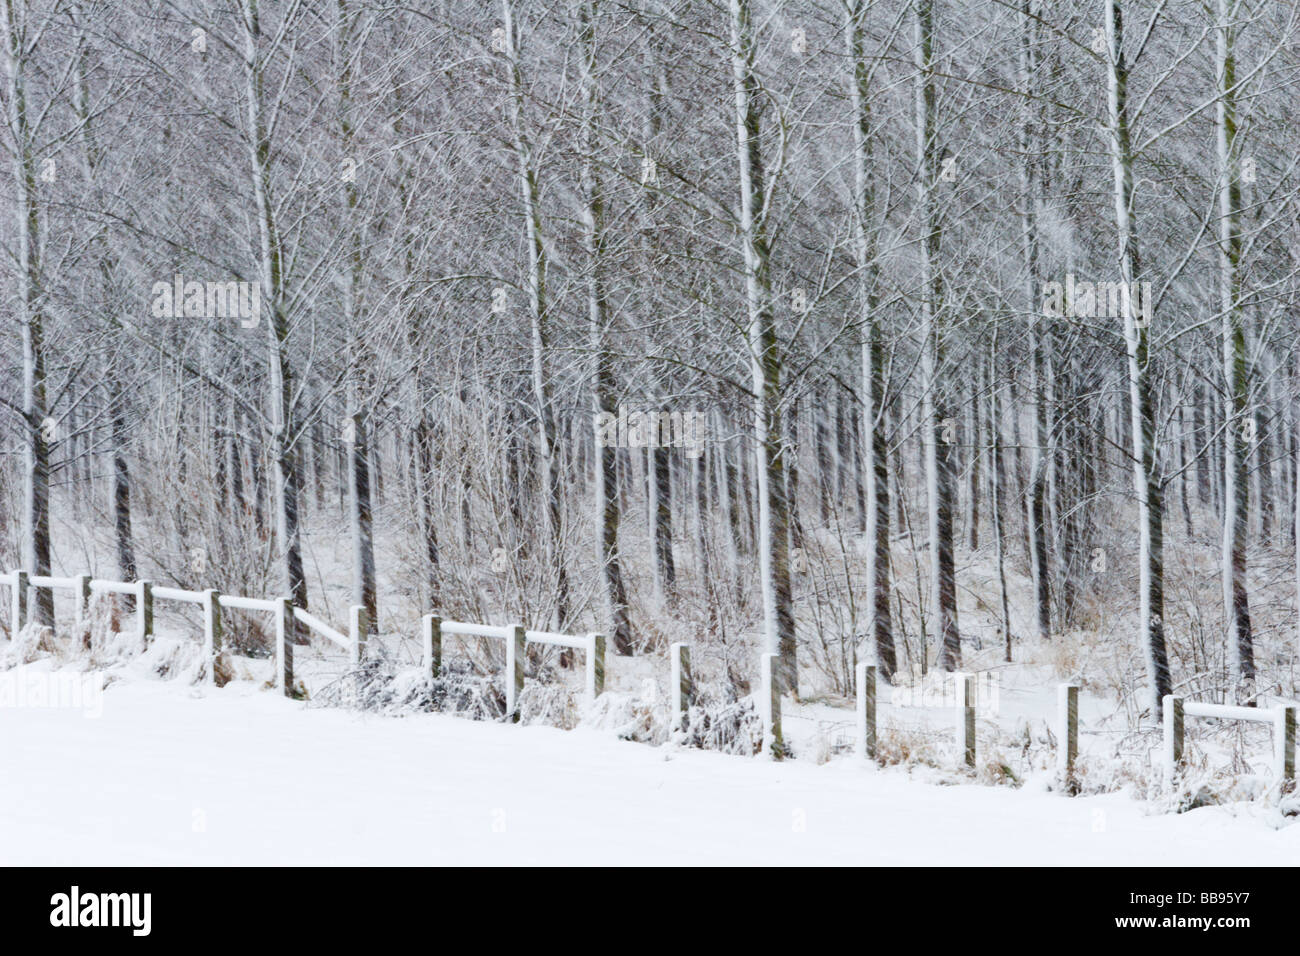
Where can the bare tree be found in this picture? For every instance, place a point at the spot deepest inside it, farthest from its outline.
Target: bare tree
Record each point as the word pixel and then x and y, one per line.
pixel 765 363
pixel 1146 478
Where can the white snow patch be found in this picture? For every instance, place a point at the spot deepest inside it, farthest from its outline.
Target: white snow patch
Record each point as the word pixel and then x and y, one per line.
pixel 177 774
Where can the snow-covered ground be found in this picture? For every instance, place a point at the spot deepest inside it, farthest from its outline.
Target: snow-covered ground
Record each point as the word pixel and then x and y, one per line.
pixel 170 773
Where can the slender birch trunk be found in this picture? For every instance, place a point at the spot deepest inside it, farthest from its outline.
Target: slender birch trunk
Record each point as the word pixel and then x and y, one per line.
pixel 995 475
pixel 1263 454
pixel 1146 478
pixel 37 427
pixel 1295 486
pixel 874 438
pixel 661 514
pixel 425 484
pixel 602 381
pixel 940 450
pixel 1030 181
pixel 360 505
pixel 728 507
pixel 700 475
pixel 658 454
pixel 1199 439
pixel 973 460
pixel 822 455
pixel 843 450
pixel 540 315
pixel 122 491
pixel 1236 482
pixel 773 512
pixel 270 270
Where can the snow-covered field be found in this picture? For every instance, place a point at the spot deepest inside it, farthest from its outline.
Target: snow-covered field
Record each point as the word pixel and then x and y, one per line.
pixel 174 773
pixel 170 773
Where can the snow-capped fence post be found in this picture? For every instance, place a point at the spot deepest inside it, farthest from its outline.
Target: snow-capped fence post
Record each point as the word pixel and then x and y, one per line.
pixel 358 626
pixel 866 690
pixel 1284 742
pixel 966 718
pixel 81 595
pixel 144 610
pixel 211 634
pixel 1173 712
pixel 514 670
pixel 680 684
pixel 18 619
pixel 595 665
pixel 1067 748
pixel 283 645
pixel 771 691
pixel 431 661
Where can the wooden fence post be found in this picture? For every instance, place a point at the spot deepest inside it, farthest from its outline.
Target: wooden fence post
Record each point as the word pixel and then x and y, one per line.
pixel 1284 742
pixel 515 657
pixel 771 691
pixel 81 594
pixel 358 627
pixel 284 646
pixel 431 632
pixel 866 690
pixel 1067 748
pixel 144 610
pixel 1173 713
pixel 18 617
pixel 212 635
pixel 966 718
pixel 681 684
pixel 595 665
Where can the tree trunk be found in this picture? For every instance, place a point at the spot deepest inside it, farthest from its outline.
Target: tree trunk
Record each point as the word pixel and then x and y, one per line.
pixel 793 476
pixel 661 517
pixel 996 472
pixel 825 466
pixel 1241 422
pixel 39 430
pixel 1199 442
pixel 875 448
pixel 973 461
pixel 283 438
pixel 1030 184
pixel 360 517
pixel 425 484
pixel 539 313
pixel 607 504
pixel 765 362
pixel 940 449
pixel 122 494
pixel 1146 477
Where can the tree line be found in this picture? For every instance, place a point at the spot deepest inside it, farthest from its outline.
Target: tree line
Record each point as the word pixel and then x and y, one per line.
pixel 948 287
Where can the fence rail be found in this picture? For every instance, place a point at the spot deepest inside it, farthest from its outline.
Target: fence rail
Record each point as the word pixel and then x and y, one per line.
pixel 179 594
pixel 321 628
pixel 113 587
pixel 516 638
pixel 41 581
pixel 286 613
pixel 1282 719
